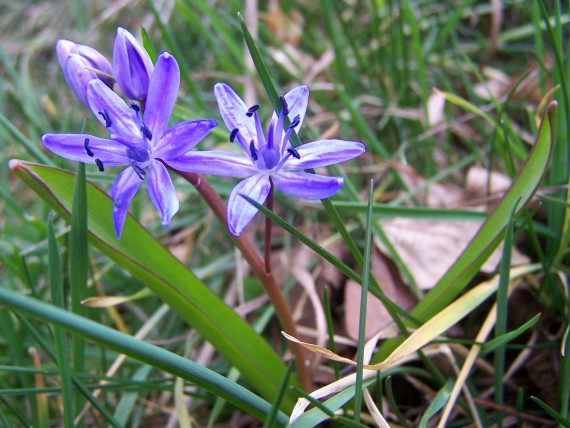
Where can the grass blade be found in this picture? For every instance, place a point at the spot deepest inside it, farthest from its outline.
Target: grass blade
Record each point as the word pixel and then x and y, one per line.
pixel 150 354
pixel 78 267
pixel 502 302
pixel 553 413
pixel 56 288
pixel 269 421
pixel 363 307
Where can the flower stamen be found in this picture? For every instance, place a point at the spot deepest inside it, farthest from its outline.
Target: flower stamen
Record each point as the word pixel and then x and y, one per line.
pixel 146 132
pixel 295 122
pixel 253 151
pixel 293 153
pixel 106 118
pixel 252 110
pixel 233 134
pixel 100 165
pixel 86 147
pixel 140 172
pixel 284 106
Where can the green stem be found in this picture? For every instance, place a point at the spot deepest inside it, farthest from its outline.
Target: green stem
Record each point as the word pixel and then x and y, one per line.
pixel 249 252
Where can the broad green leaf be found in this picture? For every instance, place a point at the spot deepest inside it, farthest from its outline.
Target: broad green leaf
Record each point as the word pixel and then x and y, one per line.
pixel 491 232
pixel 140 254
pixel 78 270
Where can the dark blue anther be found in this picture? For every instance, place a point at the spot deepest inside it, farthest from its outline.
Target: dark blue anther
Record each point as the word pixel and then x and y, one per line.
pixel 253 150
pixel 252 110
pixel 100 165
pixel 140 172
pixel 233 134
pixel 294 153
pixel 146 132
pixel 295 122
pixel 135 107
pixel 284 105
pixel 86 147
pixel 105 117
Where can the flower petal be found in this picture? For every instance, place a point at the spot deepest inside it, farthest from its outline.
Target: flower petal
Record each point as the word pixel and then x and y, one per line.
pixel 64 48
pixel 305 185
pixel 161 191
pixel 132 66
pixel 240 211
pixel 99 64
pixel 74 147
pixel 233 110
pixel 112 112
pixel 215 162
pixel 162 93
pixel 297 101
pixel 123 190
pixel 323 153
pixel 182 137
pixel 77 73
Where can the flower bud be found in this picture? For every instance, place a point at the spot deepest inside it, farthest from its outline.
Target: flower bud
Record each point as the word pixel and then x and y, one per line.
pixel 80 64
pixel 78 74
pixel 132 65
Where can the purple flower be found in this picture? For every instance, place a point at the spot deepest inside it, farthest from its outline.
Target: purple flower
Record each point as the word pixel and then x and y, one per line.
pixel 81 64
pixel 139 141
pixel 132 66
pixel 270 160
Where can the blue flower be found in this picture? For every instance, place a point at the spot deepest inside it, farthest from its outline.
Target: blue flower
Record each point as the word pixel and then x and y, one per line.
pixel 268 161
pixel 139 140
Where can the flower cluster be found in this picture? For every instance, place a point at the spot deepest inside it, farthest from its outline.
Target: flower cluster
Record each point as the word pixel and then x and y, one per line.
pixel 140 137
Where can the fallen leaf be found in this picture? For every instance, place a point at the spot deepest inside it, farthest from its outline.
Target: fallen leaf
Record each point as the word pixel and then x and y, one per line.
pixel 377 317
pixel 429 248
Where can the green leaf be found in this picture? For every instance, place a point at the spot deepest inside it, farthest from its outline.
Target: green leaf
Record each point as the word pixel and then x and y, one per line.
pixel 438 402
pixel 57 298
pixel 141 255
pixel 553 413
pixel 142 351
pixel 507 337
pixel 491 232
pixel 363 307
pixel 78 269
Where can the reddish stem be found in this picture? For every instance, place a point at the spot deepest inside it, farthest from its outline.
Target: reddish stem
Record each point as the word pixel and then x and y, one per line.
pixel 267 242
pixel 249 252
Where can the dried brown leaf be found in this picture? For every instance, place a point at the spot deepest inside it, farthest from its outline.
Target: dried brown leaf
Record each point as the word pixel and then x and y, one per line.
pixel 377 317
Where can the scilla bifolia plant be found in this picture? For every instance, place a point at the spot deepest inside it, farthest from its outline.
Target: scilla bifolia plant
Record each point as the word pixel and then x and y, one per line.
pixel 140 139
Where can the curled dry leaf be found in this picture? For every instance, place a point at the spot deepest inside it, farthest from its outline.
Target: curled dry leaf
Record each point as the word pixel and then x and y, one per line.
pixel 482 183
pixel 110 301
pixel 429 247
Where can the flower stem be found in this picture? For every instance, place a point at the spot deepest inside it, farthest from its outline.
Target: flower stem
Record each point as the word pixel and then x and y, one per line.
pixel 249 252
pixel 268 223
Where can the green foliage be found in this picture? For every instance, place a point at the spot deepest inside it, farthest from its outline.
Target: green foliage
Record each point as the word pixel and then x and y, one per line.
pixel 372 67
